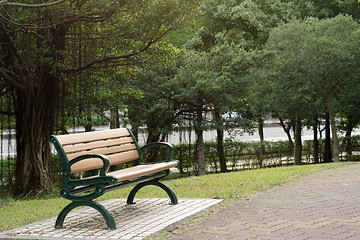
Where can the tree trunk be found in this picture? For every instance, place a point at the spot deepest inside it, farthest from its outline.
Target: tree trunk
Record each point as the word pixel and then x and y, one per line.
pixel 88 123
pixel 36 97
pixel 200 142
pixel 327 148
pixel 152 153
pixel 262 144
pixel 261 129
pixel 200 152
pixel 335 140
pixel 220 148
pixel 35 114
pixel 298 143
pixel 261 134
pixel 62 106
pixel 220 139
pixel 316 142
pixel 114 118
pixel 348 146
pixel 287 131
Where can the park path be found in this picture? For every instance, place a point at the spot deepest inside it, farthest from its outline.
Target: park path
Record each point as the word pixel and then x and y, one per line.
pixel 323 205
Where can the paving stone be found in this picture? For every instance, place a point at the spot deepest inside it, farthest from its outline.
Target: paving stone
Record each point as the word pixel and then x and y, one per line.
pixel 87 224
pixel 323 205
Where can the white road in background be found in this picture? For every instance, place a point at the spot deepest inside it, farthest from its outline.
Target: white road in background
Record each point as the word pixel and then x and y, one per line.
pixel 7 147
pixel 270 134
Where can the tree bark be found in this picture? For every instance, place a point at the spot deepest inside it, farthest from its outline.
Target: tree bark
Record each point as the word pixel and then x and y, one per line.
pixel 316 141
pixel 114 118
pixel 35 114
pixel 298 143
pixel 261 129
pixel 36 97
pixel 200 142
pixel 152 153
pixel 88 123
pixel 348 146
pixel 261 134
pixel 287 131
pixel 327 148
pixel 220 139
pixel 335 139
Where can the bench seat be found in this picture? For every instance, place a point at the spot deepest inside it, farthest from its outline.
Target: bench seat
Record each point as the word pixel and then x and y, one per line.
pixel 141 170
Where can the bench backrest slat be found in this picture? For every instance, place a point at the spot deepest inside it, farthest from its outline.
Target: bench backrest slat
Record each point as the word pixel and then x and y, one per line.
pixel 104 151
pixel 117 144
pixel 98 144
pixel 94 163
pixel 93 136
pixel 123 157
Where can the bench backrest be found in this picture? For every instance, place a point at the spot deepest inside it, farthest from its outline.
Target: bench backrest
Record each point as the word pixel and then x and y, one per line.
pixel 118 145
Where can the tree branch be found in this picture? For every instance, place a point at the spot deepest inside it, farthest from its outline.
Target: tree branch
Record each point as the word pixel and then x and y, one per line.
pixel 12 4
pixel 99 61
pixel 17 63
pixel 113 59
pixel 12 81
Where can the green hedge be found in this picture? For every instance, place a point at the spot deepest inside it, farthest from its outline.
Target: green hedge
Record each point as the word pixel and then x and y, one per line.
pixel 238 155
pixel 245 155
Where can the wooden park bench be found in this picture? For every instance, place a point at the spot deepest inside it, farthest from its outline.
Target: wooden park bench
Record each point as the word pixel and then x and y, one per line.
pixel 98 151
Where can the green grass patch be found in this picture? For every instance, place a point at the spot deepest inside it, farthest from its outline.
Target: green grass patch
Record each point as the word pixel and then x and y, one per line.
pixel 233 185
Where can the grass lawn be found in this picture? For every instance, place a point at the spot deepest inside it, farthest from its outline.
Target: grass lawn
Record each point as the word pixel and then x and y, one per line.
pixel 233 185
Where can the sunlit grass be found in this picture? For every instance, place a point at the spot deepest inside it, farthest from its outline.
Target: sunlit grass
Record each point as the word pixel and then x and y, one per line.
pixel 233 185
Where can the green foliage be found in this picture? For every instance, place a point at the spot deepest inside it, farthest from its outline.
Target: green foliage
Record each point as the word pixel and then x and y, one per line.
pixel 119 55
pixel 211 79
pixel 7 174
pixel 249 155
pixel 156 108
pixel 239 155
pixel 308 62
pixel 248 22
pixel 95 121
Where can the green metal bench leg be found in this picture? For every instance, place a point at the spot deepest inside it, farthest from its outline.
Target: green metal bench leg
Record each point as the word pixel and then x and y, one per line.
pixel 168 190
pixel 100 208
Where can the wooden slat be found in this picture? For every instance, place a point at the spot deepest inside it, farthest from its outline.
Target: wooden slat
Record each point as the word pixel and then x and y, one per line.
pixel 95 163
pixel 104 151
pixel 92 136
pixel 98 144
pixel 123 157
pixel 141 170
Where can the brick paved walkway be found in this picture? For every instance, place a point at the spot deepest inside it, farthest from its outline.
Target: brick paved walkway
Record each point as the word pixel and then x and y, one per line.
pixel 324 205
pixel 135 221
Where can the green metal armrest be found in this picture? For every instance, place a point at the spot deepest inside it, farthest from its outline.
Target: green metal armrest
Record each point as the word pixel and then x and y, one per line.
pixel 97 181
pixel 158 144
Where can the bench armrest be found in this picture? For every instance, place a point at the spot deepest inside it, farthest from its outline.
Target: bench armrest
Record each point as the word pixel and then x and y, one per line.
pixel 158 144
pixel 105 160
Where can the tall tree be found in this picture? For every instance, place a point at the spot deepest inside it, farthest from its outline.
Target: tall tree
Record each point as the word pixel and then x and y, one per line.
pixel 210 82
pixel 286 78
pixel 323 60
pixel 332 52
pixel 156 108
pixel 37 56
pixel 347 106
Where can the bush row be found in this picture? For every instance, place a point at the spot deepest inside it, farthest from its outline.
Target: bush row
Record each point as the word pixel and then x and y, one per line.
pixel 247 155
pixel 238 155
